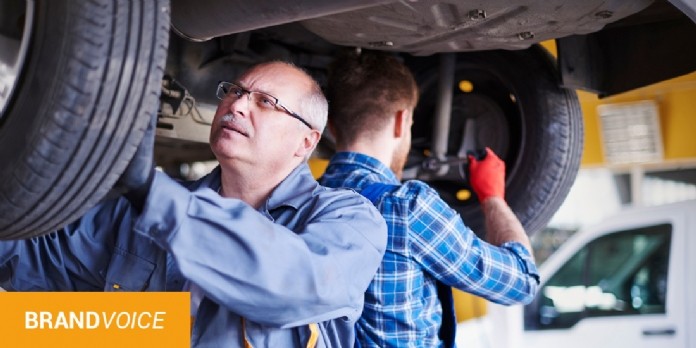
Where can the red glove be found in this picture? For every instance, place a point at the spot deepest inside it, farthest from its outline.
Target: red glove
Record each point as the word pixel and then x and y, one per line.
pixel 487 176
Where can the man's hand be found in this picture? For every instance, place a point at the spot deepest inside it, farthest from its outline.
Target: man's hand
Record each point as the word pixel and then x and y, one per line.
pixel 136 180
pixel 487 176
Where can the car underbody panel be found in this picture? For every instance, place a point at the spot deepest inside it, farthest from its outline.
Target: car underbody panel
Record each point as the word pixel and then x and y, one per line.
pixel 416 26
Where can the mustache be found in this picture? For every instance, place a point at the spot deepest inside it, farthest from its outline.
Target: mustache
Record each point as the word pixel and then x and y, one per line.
pixel 230 119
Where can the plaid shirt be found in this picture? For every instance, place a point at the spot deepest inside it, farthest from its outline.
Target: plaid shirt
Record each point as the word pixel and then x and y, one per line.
pixel 428 241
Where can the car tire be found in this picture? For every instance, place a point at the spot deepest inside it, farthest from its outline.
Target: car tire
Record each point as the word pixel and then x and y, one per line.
pixel 87 81
pixel 535 126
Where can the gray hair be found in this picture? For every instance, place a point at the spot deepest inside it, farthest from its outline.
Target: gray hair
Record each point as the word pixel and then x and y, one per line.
pixel 315 108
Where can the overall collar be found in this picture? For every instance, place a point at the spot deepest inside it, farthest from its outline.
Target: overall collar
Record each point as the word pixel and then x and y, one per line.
pixel 292 191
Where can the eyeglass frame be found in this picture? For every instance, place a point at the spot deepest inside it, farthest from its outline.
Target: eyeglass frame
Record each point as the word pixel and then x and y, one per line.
pixel 280 107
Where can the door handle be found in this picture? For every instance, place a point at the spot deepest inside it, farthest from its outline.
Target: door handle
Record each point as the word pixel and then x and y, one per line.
pixel 659 332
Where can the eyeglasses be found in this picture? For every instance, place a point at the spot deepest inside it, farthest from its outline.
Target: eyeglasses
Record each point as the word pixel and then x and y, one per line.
pixel 262 100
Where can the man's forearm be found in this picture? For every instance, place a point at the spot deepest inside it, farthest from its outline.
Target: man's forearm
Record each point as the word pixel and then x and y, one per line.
pixel 502 225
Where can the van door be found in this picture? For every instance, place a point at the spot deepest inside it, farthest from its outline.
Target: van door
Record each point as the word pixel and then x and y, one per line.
pixel 623 288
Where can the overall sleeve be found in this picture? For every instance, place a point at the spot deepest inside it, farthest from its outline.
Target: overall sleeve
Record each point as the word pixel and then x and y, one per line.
pixel 73 258
pixel 260 269
pixel 441 243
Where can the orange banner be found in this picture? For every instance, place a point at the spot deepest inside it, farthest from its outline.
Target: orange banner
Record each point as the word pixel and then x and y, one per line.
pixel 95 319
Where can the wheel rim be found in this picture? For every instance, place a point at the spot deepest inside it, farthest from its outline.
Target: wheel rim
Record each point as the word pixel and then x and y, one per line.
pixel 16 20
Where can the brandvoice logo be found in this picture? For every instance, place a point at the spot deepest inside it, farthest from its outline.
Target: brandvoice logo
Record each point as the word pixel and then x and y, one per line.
pixel 90 320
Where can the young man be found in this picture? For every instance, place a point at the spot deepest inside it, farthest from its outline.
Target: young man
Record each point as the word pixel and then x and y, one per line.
pixel 268 250
pixel 372 97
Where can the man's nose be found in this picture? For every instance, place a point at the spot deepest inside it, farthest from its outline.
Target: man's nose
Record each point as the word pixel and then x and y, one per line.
pixel 241 105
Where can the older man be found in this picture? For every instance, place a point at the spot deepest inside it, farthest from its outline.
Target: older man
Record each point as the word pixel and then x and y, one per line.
pixel 272 258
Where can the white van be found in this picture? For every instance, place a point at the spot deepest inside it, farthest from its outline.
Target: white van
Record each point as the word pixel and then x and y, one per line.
pixel 628 282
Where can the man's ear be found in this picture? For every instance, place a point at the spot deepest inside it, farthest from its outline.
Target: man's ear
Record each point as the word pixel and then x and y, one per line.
pixel 309 142
pixel 401 122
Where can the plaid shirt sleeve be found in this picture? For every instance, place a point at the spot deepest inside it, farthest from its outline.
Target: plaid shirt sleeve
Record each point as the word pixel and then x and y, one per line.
pixel 452 253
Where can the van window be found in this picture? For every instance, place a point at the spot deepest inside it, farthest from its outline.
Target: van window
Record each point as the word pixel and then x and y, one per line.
pixel 622 273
